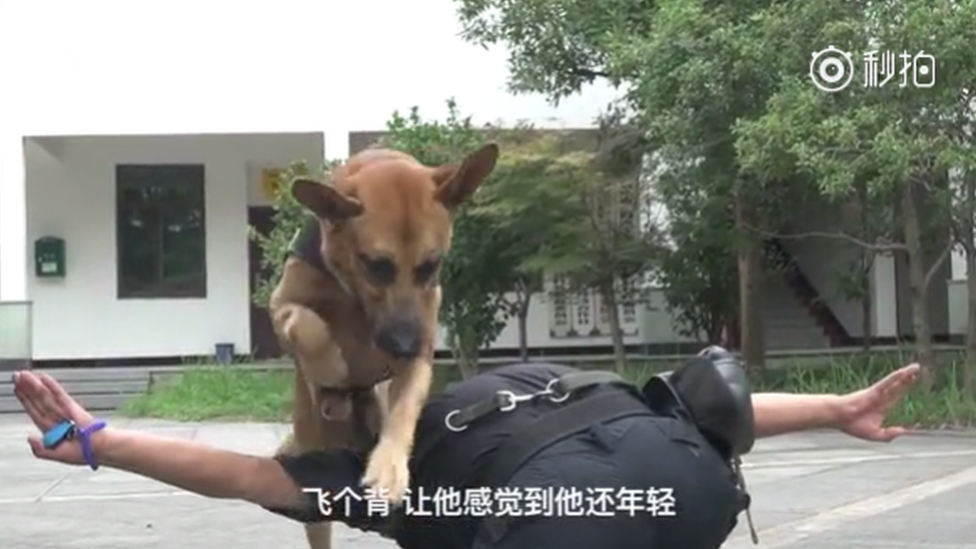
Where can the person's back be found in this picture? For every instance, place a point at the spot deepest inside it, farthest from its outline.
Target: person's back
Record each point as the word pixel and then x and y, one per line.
pixel 638 481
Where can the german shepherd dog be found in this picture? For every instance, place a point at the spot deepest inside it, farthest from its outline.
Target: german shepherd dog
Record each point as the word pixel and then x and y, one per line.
pixel 357 305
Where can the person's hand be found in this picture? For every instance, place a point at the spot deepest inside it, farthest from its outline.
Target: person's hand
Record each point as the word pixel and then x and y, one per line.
pixel 862 413
pixel 47 404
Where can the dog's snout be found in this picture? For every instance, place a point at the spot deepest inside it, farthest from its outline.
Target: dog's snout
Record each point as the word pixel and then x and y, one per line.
pixel 400 338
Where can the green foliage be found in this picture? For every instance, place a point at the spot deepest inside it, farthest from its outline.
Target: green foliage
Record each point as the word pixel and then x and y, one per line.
pixel 287 220
pixel 723 96
pixel 698 272
pixel 884 136
pixel 691 70
pixel 592 203
pixel 526 202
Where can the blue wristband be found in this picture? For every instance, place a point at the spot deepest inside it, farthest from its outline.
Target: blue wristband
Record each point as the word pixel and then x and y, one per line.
pixel 84 436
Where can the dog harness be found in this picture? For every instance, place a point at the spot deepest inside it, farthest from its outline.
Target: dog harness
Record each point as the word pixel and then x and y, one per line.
pixel 307 245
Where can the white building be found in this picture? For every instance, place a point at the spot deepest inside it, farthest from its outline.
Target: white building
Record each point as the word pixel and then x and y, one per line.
pixel 106 107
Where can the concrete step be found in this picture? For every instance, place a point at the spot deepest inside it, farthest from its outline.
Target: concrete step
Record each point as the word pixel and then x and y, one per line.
pixel 96 389
pixel 794 318
pixel 99 374
pixel 91 387
pixel 794 340
pixel 93 403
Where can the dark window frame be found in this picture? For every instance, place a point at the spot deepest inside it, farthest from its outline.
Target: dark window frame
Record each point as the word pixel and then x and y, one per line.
pixel 191 179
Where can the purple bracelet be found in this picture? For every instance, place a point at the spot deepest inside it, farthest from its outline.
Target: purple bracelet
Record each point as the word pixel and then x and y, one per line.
pixel 84 436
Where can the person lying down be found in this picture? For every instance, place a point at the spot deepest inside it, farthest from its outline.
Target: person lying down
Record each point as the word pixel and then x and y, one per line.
pixel 524 456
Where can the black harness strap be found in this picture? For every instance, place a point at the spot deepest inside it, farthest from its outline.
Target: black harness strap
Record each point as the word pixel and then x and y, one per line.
pixel 558 390
pixel 557 425
pixel 307 244
pixel 554 426
pixel 571 383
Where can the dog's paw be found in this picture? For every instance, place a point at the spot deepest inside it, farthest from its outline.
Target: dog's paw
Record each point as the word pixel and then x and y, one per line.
pixel 387 473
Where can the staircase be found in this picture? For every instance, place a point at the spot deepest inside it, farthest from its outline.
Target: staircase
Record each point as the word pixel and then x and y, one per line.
pixel 793 307
pixel 787 323
pixel 95 389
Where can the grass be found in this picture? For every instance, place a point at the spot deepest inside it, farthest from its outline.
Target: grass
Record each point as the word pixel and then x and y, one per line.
pixel 230 393
pixel 226 392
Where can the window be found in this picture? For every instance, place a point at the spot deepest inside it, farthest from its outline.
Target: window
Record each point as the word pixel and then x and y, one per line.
pixel 160 231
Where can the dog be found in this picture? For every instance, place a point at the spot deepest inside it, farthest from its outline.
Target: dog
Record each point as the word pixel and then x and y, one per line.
pixel 357 305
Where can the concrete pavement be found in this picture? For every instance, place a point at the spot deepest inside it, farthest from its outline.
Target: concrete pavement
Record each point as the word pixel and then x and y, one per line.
pixel 810 491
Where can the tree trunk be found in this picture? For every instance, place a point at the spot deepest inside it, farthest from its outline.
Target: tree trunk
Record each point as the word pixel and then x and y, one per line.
pixel 867 302
pixel 867 261
pixel 716 327
pixel 752 339
pixel 731 335
pixel 917 287
pixel 609 297
pixel 969 245
pixel 524 297
pixel 461 358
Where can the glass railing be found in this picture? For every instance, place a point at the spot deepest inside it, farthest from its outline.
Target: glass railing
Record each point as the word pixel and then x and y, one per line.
pixel 15 334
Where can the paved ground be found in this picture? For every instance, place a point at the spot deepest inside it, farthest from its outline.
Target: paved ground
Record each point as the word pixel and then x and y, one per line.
pixel 815 491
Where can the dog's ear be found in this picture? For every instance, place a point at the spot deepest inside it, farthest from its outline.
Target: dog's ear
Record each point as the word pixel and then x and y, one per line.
pixel 324 200
pixel 455 184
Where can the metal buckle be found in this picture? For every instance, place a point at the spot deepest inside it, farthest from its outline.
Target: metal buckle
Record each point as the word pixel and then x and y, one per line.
pixel 450 426
pixel 512 400
pixel 509 400
pixel 551 392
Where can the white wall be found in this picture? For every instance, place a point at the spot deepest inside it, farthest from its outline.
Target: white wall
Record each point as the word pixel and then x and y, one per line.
pixel 653 325
pixel 958 307
pixel 885 321
pixel 72 195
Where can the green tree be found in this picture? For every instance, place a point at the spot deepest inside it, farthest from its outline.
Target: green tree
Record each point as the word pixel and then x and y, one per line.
pixel 698 271
pixel 534 197
pixel 897 141
pixel 690 69
pixel 586 212
pixel 521 205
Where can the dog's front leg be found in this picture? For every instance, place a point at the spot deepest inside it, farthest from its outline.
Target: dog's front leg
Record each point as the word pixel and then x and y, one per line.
pixel 307 435
pixel 387 470
pixel 307 338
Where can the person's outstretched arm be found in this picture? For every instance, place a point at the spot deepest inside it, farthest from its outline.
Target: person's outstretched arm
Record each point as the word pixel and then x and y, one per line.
pixel 781 413
pixel 860 414
pixel 197 467
pixel 185 464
